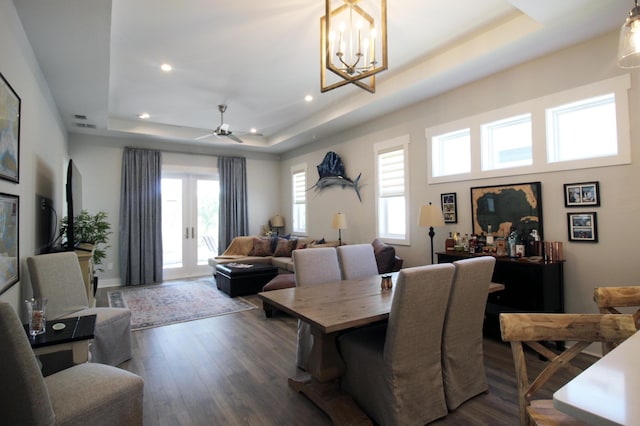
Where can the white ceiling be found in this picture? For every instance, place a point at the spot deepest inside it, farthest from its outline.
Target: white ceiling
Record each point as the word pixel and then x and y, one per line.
pixel 101 59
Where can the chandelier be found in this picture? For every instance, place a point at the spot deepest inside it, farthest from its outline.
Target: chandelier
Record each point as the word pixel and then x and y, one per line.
pixel 353 43
pixel 629 46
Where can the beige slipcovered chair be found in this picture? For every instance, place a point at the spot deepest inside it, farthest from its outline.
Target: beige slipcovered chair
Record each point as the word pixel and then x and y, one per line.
pixel 85 394
pixel 312 266
pixel 534 331
pixel 57 276
pixel 357 261
pixel 393 371
pixel 462 358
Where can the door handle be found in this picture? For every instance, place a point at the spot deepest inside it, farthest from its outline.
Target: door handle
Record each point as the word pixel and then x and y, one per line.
pixel 186 233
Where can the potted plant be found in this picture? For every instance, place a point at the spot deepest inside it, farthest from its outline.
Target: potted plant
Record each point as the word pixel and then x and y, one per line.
pixel 92 229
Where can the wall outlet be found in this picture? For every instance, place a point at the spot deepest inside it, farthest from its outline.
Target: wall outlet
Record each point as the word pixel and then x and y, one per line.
pixel 110 265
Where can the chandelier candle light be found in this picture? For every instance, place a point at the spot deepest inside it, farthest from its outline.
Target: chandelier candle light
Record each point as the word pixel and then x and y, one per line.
pixel 353 42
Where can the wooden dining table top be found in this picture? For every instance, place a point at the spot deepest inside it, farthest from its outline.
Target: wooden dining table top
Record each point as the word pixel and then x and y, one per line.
pixel 339 305
pixel 336 306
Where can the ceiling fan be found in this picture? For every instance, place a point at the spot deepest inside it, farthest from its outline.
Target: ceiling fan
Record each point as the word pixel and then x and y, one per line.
pixel 223 128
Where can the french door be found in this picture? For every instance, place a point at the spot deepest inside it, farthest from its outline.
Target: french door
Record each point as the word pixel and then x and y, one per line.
pixel 189 224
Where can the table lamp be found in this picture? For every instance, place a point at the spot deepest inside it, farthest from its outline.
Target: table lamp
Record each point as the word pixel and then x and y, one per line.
pixel 277 222
pixel 339 223
pixel 430 216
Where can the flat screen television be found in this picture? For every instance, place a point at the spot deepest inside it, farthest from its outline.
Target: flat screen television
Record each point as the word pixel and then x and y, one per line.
pixel 74 202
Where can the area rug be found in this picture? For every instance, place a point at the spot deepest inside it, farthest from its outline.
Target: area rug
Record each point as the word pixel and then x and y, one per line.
pixel 174 302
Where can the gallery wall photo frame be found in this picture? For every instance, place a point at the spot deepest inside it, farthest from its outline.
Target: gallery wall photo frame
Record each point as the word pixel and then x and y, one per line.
pixel 10 104
pixel 449 205
pixel 518 205
pixel 583 227
pixel 9 247
pixel 585 194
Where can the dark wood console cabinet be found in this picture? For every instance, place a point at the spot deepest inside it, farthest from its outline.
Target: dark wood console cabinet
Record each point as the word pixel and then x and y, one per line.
pixel 529 287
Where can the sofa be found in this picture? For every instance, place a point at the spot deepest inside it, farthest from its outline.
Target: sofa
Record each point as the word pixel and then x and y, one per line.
pixel 276 251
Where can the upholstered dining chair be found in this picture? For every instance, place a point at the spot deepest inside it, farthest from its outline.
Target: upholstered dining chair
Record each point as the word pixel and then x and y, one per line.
pixel 312 266
pixel 534 330
pixel 393 371
pixel 357 261
pixel 462 358
pixel 57 276
pixel 611 299
pixel 85 394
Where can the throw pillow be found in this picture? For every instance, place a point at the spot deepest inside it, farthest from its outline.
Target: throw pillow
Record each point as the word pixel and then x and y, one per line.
pixel 285 247
pixel 385 256
pixel 261 247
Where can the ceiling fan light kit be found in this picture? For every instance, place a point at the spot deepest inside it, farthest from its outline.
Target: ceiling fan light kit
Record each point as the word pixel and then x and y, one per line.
pixel 353 43
pixel 629 45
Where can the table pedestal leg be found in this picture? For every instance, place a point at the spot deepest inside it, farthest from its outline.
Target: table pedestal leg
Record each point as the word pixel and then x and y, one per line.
pixel 322 385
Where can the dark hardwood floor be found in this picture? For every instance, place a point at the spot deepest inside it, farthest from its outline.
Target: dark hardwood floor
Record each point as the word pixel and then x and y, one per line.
pixel 233 370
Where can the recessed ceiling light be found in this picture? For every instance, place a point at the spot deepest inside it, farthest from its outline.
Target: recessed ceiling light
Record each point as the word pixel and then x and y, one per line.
pixel 308 98
pixel 166 67
pixel 253 130
pixel 144 116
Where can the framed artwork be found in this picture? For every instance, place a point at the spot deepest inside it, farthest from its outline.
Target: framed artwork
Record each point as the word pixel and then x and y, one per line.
pixel 449 207
pixel 9 255
pixel 9 132
pixel 581 194
pixel 500 207
pixel 583 227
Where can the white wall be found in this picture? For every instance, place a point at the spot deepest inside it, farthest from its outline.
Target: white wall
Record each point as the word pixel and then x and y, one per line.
pixel 609 262
pixel 99 160
pixel 43 140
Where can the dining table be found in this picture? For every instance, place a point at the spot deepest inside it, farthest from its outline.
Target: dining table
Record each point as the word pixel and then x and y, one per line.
pixel 330 309
pixel 606 393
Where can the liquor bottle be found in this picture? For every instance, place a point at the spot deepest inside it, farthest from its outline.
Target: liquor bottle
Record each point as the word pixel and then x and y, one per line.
pixel 489 236
pixel 449 243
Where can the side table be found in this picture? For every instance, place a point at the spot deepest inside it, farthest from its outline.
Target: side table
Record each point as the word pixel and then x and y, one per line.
pixel 74 336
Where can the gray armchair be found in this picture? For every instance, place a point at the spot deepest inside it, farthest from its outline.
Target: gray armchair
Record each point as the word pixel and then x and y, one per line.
pixel 393 371
pixel 85 394
pixel 57 276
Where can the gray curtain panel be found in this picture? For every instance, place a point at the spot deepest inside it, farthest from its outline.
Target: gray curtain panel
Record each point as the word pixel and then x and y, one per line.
pixel 141 217
pixel 233 200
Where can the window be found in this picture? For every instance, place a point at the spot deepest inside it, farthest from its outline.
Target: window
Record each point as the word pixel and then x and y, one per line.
pixel 583 129
pixel 391 189
pixel 299 186
pixel 507 143
pixel 451 153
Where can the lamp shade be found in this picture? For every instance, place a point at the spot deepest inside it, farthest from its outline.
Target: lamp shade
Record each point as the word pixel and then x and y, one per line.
pixel 339 221
pixel 430 215
pixel 277 221
pixel 629 45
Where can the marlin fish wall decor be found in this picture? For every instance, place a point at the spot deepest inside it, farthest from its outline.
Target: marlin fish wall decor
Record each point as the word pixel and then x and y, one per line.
pixel 331 172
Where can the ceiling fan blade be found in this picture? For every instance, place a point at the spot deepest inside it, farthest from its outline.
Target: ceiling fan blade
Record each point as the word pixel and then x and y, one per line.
pixel 204 136
pixel 235 138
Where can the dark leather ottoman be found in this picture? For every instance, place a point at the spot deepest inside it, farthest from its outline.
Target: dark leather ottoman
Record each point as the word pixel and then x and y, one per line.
pixel 238 281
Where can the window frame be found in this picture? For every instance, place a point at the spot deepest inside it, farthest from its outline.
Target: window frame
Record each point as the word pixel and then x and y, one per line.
pixel 401 142
pixel 300 169
pixel 619 86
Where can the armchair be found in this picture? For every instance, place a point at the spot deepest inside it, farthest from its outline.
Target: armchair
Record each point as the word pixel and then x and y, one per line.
pixel 92 394
pixel 57 276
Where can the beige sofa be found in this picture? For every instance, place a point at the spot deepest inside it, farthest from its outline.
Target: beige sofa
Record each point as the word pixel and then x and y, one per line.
pixel 272 250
